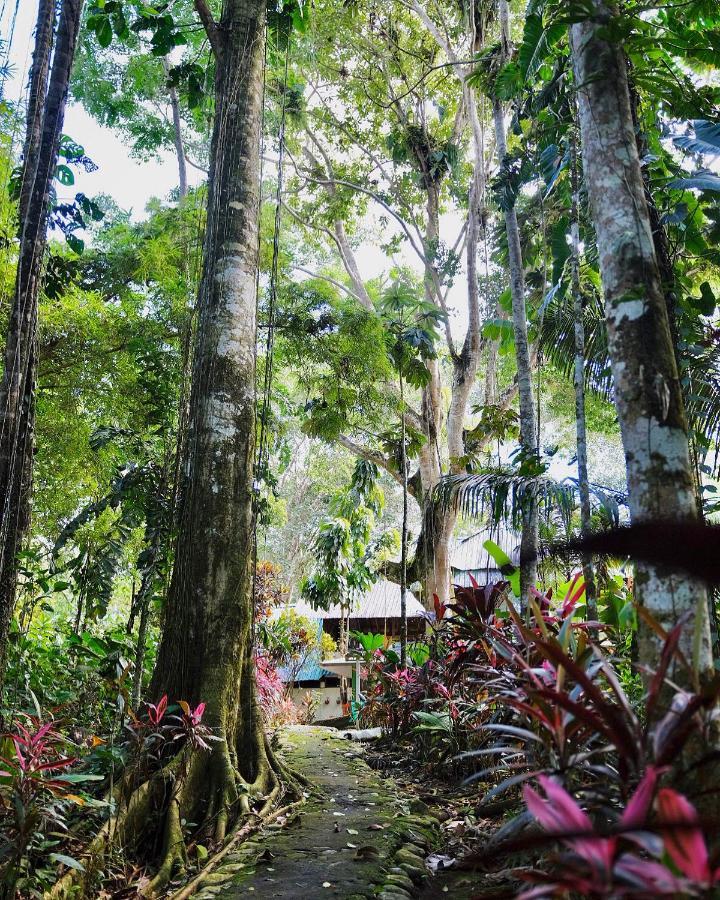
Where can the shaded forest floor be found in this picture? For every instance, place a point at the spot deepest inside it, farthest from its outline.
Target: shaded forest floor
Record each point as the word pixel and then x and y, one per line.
pixel 361 835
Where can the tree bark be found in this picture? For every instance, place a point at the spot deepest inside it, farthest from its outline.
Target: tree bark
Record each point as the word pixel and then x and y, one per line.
pixel 37 92
pixel 528 433
pixel 579 385
pixel 206 651
pixel 647 390
pixel 17 390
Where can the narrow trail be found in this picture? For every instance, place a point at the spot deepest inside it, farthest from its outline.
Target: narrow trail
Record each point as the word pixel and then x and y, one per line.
pixel 362 838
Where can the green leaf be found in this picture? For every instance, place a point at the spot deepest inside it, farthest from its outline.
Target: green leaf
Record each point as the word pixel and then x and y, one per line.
pixel 499 330
pixel 498 555
pixel 705 304
pixel 67 861
pixel 505 564
pixel 301 18
pixel 509 81
pixel 120 25
pixel 76 244
pixel 70 149
pixel 536 44
pixel 560 247
pixel 64 175
pixel 94 644
pixel 104 31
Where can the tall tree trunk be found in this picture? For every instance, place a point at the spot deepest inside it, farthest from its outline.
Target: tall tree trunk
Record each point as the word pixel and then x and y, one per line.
pixel 528 433
pixel 579 384
pixel 17 390
pixel 436 561
pixel 206 652
pixel 42 54
pixel 647 390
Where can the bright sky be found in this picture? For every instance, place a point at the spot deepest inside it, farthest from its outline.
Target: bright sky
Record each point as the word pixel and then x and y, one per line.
pixel 129 181
pixel 132 182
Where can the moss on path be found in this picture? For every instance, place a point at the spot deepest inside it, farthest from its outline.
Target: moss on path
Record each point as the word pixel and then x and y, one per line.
pixel 362 838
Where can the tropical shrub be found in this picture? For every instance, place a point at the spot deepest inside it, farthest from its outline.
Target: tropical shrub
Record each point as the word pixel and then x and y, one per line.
pixel 37 794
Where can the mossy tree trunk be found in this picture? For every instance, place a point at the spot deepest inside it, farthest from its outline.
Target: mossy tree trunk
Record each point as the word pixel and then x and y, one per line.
pixel 46 111
pixel 647 390
pixel 206 649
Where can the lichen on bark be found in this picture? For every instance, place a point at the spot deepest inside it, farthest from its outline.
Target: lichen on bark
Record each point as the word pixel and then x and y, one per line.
pixel 646 384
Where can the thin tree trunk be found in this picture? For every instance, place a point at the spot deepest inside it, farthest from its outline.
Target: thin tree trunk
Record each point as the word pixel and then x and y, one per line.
pixel 404 534
pixel 579 384
pixel 177 136
pixel 528 435
pixel 205 652
pixel 647 390
pixel 143 604
pixel 17 391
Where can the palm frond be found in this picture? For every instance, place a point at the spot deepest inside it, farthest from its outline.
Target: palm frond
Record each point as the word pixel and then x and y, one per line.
pixel 501 496
pixel 557 341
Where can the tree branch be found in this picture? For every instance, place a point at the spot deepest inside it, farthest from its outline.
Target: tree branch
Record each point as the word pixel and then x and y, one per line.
pixel 340 236
pixel 338 284
pixel 379 459
pixel 211 27
pixel 374 196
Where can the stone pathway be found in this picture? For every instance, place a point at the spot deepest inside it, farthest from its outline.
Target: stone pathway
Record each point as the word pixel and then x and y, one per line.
pixel 362 839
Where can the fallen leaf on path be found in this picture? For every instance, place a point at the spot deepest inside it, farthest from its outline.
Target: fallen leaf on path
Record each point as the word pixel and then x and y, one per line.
pixel 437 862
pixel 375 827
pixel 326 884
pixel 266 856
pixel 352 831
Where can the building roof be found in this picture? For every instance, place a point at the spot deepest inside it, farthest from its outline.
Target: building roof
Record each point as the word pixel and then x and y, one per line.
pixel 467 555
pixel 382 601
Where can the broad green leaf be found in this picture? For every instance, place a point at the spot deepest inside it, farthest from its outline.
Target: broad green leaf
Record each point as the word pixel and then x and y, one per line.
pixel 67 861
pixel 104 31
pixel 76 244
pixel 64 175
pixel 703 182
pixel 706 139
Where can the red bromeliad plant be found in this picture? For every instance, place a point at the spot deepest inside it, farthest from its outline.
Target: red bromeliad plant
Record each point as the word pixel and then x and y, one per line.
pixel 638 855
pixel 153 733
